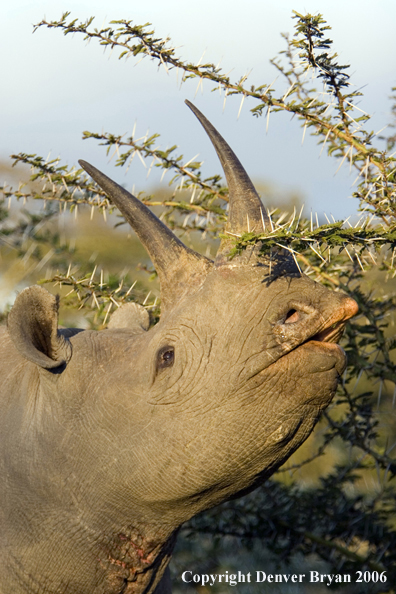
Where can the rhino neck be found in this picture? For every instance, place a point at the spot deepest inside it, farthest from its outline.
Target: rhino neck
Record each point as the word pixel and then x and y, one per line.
pixel 135 559
pixel 72 557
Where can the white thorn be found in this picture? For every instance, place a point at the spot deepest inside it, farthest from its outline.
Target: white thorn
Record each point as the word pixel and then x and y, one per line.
pixel 142 160
pixel 93 274
pixel 225 98
pixel 303 136
pixel 287 92
pixel 350 257
pixel 324 142
pixel 262 218
pixel 343 159
pixel 358 259
pixel 299 216
pixel 201 58
pixel 130 288
pixel 270 220
pixel 190 161
pixel 240 107
pixel 268 115
pixel 317 253
pixel 107 312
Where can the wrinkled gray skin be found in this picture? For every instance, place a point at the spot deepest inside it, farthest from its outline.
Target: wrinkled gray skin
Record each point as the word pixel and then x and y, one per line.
pixel 111 440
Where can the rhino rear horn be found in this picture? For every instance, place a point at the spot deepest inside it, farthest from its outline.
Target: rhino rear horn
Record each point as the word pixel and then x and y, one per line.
pixel 180 269
pixel 246 211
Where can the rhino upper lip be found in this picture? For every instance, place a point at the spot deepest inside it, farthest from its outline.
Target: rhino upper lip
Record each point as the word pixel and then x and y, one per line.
pixel 334 327
pixel 332 333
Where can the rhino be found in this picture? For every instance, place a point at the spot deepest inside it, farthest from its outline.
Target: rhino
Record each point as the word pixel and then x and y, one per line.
pixel 111 440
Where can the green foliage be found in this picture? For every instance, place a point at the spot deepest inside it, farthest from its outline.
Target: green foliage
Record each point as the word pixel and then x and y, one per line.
pixel 334 501
pixel 310 38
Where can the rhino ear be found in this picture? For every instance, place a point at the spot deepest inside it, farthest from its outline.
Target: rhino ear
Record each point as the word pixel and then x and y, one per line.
pixel 33 328
pixel 131 316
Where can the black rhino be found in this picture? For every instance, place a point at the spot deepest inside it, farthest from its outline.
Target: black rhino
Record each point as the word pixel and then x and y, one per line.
pixel 111 440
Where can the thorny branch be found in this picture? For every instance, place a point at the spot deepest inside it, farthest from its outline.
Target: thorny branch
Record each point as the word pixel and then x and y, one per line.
pixel 344 133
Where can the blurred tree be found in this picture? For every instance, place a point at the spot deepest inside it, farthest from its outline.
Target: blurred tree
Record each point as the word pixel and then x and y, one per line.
pixel 332 506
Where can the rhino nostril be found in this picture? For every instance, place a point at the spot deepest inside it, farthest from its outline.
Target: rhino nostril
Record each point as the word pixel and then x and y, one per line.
pixel 292 316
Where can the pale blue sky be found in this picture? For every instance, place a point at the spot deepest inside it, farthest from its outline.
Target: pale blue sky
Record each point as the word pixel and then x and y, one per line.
pixel 54 87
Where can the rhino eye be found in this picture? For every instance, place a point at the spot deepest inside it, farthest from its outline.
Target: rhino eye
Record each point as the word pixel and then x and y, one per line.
pixel 165 357
pixel 291 316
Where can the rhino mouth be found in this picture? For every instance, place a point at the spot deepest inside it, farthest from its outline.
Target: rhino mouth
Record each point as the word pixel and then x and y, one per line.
pixel 324 341
pixel 327 345
pixel 321 348
pixel 332 333
pixel 334 327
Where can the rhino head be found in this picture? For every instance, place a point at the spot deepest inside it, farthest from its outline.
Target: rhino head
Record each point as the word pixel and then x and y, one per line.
pixel 112 439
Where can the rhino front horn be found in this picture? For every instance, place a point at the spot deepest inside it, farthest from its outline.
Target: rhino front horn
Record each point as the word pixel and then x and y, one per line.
pixel 246 211
pixel 180 269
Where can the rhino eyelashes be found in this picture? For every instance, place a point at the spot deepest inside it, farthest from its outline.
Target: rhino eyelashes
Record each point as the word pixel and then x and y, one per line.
pixel 165 358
